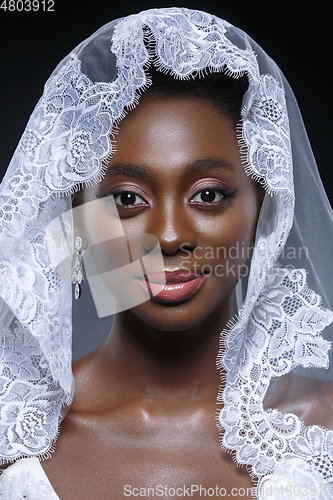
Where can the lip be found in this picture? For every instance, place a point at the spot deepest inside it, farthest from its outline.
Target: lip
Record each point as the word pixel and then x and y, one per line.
pixel 173 286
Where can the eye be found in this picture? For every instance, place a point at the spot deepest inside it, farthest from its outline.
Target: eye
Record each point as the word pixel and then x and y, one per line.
pixel 128 198
pixel 208 195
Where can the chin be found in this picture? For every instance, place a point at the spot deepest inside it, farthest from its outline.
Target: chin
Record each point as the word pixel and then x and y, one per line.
pixel 178 316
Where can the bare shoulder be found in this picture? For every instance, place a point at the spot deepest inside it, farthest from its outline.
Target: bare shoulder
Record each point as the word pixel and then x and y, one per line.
pixel 311 399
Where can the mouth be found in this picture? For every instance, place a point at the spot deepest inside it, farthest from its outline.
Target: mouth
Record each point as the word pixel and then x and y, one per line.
pixel 175 286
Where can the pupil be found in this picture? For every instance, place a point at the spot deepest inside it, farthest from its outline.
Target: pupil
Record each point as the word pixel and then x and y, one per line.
pixel 127 198
pixel 208 195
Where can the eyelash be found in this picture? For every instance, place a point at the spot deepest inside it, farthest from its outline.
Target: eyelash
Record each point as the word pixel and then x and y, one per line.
pixel 119 193
pixel 225 192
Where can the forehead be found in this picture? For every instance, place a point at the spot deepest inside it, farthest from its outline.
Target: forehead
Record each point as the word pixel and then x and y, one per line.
pixel 174 134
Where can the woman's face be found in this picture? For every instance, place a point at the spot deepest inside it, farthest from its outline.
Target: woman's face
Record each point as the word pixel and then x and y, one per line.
pixel 177 174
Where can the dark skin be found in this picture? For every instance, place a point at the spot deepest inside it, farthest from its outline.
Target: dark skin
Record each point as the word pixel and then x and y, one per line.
pixel 144 410
pixel 145 402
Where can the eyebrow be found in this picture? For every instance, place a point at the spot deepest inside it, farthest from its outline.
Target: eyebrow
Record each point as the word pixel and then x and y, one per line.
pixel 207 164
pixel 131 170
pixel 141 171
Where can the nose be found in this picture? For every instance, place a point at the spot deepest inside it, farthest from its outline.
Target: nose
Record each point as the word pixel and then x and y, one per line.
pixel 174 229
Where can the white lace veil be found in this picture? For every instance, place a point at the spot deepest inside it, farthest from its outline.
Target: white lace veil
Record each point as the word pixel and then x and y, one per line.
pixel 284 304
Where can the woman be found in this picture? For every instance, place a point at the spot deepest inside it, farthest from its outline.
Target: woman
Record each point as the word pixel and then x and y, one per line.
pixel 176 176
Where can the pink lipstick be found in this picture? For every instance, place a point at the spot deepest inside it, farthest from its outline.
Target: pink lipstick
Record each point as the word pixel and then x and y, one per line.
pixel 173 286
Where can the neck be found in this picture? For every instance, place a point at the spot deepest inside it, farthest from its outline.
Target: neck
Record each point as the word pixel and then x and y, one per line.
pixel 152 362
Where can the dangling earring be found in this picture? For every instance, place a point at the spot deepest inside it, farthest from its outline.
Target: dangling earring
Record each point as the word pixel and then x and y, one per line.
pixel 77 275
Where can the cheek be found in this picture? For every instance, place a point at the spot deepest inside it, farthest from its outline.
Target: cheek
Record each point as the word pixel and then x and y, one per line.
pixel 234 231
pixel 101 221
pixel 240 231
pixel 104 235
pixel 225 244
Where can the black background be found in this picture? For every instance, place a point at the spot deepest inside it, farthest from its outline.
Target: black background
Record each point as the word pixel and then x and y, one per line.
pixel 295 34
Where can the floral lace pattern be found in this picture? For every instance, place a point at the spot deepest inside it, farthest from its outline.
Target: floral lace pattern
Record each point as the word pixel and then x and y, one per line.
pixel 283 331
pixel 29 414
pixel 65 145
pixel 294 479
pixel 266 135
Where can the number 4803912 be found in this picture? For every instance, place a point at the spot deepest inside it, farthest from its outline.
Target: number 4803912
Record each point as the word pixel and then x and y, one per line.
pixel 27 5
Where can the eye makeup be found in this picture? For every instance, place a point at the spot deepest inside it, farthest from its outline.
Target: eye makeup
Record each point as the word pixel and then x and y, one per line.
pixel 209 195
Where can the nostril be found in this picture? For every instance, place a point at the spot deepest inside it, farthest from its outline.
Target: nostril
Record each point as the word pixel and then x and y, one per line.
pixel 168 252
pixel 187 247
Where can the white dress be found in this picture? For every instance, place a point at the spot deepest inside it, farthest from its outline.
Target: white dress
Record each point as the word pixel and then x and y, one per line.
pixel 26 480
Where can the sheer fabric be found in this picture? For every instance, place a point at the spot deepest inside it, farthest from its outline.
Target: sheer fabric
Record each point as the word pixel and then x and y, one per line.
pixel 285 302
pixel 26 479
